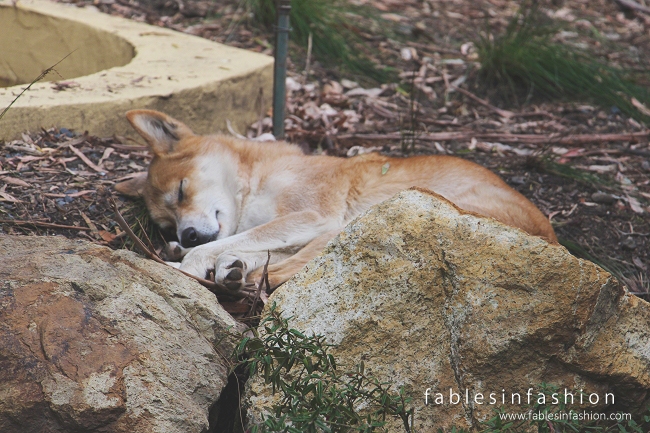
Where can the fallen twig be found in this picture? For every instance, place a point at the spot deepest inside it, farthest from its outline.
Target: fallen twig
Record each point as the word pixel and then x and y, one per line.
pixel 508 138
pixel 538 113
pixel 126 147
pixel 263 281
pixel 434 48
pixel 640 106
pixel 503 113
pixel 609 152
pixel 43 224
pixel 146 237
pixel 636 152
pixel 72 195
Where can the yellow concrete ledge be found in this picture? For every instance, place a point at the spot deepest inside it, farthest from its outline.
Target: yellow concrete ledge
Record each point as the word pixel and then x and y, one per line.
pixel 195 80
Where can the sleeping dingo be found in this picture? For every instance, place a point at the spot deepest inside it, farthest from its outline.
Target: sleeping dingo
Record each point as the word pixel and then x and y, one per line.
pixel 230 200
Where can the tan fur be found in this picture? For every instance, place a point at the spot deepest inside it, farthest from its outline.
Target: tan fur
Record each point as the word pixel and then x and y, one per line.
pixel 244 198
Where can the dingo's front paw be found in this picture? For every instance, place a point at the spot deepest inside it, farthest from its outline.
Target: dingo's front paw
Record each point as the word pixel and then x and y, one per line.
pixel 230 271
pixel 174 252
pixel 199 262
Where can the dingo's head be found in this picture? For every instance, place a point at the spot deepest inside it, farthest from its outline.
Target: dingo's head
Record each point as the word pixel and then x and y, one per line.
pixel 190 185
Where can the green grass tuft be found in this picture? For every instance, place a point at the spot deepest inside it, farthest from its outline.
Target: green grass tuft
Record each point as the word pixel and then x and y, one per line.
pixel 565 170
pixel 335 38
pixel 624 272
pixel 610 266
pixel 525 59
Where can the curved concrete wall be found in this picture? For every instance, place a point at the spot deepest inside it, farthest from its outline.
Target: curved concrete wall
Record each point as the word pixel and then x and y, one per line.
pixel 197 81
pixel 31 42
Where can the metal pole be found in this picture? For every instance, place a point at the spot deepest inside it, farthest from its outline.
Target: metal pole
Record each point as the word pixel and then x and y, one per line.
pixel 280 71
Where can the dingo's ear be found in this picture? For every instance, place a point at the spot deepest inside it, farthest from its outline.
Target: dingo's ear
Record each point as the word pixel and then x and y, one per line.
pixel 133 187
pixel 161 131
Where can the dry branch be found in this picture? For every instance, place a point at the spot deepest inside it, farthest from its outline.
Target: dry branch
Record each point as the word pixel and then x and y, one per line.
pixel 503 113
pixel 42 224
pixel 37 79
pixel 264 281
pixel 573 139
pixel 72 195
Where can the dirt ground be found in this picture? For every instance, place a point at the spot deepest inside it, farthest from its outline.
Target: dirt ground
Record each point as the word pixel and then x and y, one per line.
pixel 586 167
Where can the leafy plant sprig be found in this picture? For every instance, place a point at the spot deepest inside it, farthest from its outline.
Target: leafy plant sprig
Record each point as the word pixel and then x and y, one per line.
pixel 315 396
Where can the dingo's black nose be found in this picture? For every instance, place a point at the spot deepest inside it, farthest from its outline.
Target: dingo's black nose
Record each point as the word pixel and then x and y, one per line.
pixel 190 238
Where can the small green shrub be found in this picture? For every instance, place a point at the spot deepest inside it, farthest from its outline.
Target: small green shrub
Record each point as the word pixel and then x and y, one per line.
pixel 315 396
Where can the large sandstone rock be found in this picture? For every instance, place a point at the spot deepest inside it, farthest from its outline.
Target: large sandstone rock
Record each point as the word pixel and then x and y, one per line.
pixel 105 341
pixel 432 297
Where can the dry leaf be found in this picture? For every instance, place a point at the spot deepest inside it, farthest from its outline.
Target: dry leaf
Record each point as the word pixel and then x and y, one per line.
pixel 333 87
pixel 85 159
pixel 93 227
pixel 637 261
pixel 393 17
pixel 600 168
pixel 373 93
pixel 640 106
pixel 14 181
pixel 108 237
pixel 635 205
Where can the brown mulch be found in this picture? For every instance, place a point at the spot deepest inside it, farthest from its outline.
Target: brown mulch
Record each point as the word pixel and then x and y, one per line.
pixel 57 182
pixel 586 167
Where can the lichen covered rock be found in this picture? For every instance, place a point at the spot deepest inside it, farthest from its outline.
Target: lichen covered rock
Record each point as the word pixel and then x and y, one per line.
pixel 432 297
pixel 99 340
